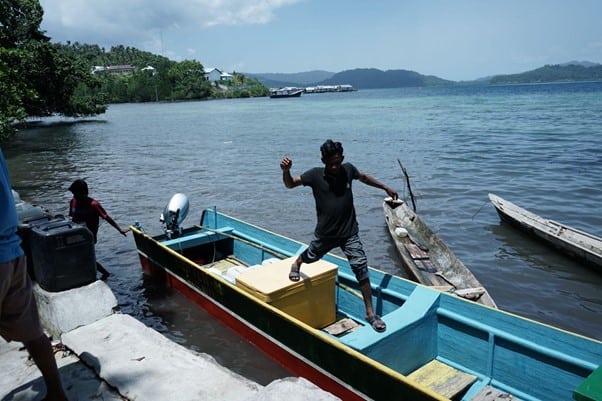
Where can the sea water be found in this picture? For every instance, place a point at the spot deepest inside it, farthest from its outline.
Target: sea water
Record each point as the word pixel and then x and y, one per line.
pixel 539 146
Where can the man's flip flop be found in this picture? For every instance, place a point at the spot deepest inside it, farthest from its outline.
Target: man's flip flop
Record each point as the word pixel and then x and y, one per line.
pixel 377 323
pixel 294 274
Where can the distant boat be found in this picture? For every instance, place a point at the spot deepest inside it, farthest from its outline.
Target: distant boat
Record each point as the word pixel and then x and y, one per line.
pixel 436 346
pixel 427 257
pixel 286 92
pixel 580 245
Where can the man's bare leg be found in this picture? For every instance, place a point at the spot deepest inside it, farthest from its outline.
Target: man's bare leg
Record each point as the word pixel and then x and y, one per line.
pixel 372 318
pixel 41 352
pixel 295 275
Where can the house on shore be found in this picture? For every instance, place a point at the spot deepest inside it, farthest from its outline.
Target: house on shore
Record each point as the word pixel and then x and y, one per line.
pixel 124 69
pixel 216 75
pixel 150 69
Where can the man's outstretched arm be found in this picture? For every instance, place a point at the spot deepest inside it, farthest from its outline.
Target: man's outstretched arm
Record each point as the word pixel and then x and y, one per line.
pixel 373 182
pixel 287 178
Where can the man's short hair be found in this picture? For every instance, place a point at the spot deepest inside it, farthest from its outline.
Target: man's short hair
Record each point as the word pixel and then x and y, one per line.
pixel 79 188
pixel 330 148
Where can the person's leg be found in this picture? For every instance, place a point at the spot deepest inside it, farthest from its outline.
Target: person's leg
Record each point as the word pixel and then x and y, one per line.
pixel 19 321
pixel 41 352
pixel 316 249
pixel 354 251
pixel 295 273
pixel 104 272
pixel 366 290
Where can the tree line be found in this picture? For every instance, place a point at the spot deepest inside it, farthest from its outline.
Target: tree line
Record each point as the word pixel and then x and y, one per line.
pixel 39 78
pixel 166 80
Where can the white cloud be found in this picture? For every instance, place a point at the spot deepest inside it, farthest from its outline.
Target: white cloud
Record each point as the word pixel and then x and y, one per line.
pixel 157 14
pixel 463 39
pixel 110 22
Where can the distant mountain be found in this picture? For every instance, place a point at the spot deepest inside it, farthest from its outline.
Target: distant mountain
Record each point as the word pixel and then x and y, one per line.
pixel 567 72
pixel 277 80
pixel 372 78
pixel 361 78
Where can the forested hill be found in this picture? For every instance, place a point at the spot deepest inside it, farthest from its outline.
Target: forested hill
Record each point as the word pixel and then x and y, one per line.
pixel 276 80
pixel 372 78
pixel 553 73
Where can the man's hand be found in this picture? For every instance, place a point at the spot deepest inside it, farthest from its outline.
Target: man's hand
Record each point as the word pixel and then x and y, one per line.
pixel 287 178
pixel 391 192
pixel 286 163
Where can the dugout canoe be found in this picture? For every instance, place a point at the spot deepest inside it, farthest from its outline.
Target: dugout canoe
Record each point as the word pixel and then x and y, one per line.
pixel 427 258
pixel 577 244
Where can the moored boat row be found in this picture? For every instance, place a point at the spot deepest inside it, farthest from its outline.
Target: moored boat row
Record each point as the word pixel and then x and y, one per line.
pixel 329 88
pixel 291 91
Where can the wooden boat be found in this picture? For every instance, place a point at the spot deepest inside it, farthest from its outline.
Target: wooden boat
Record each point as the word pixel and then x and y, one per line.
pixel 575 243
pixel 436 347
pixel 427 257
pixel 285 92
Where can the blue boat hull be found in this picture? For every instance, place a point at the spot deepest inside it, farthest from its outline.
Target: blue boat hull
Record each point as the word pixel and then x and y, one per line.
pixel 510 354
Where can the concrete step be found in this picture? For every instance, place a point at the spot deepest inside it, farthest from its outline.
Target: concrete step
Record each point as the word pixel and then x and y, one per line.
pixel 117 357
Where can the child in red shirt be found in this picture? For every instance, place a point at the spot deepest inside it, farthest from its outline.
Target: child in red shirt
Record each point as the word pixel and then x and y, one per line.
pixel 88 211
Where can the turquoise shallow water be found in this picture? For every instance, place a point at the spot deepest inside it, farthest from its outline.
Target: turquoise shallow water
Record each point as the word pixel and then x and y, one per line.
pixel 539 146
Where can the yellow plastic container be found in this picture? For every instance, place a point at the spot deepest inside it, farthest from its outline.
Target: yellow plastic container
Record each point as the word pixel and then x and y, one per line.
pixel 311 299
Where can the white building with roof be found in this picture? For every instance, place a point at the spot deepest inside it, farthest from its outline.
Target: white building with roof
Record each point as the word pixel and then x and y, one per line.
pixel 216 75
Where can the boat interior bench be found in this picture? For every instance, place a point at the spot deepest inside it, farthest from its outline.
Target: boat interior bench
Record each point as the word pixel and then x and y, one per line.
pixel 420 346
pixel 442 378
pixel 200 238
pixel 412 329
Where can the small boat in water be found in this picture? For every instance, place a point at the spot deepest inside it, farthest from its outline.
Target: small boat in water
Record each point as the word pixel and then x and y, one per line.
pixel 286 92
pixel 577 244
pixel 427 257
pixel 437 346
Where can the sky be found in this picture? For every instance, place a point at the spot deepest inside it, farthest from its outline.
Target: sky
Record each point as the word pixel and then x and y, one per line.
pixel 451 39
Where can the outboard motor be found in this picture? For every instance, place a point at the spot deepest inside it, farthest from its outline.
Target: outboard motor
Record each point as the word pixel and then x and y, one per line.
pixel 16 196
pixel 174 213
pixel 26 211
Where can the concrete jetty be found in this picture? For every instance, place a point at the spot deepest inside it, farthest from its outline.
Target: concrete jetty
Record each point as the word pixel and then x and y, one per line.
pixel 112 356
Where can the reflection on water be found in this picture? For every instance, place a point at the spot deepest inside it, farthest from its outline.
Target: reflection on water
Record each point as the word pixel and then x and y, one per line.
pixel 558 277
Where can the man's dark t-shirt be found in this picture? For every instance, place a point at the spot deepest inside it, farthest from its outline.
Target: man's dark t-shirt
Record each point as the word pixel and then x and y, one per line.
pixel 334 201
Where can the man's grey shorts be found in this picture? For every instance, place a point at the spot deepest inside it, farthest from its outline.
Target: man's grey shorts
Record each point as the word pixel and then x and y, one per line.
pixel 351 247
pixel 19 318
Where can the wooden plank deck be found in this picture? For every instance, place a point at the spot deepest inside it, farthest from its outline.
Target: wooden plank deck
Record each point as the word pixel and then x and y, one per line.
pixel 415 251
pixel 442 378
pixel 491 394
pixel 342 327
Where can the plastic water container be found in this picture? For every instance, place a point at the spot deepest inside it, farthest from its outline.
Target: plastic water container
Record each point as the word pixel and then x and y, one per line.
pixel 24 231
pixel 63 255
